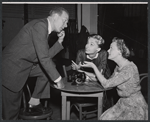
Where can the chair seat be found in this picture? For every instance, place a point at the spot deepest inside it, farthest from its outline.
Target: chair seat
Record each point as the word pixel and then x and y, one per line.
pixel 23 114
pixel 90 107
pixel 85 109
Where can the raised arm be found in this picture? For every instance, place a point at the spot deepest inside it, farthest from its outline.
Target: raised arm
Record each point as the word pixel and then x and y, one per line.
pixel 42 50
pixel 117 78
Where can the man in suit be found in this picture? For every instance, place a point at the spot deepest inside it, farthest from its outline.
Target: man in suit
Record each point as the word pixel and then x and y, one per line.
pixel 28 54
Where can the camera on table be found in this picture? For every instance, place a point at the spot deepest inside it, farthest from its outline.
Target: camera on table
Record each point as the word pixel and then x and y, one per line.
pixel 77 78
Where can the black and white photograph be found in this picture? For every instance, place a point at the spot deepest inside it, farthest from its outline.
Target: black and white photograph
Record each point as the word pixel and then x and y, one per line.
pixel 74 61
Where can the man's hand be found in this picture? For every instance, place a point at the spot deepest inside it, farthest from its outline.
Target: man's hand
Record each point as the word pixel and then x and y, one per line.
pixel 61 36
pixel 60 84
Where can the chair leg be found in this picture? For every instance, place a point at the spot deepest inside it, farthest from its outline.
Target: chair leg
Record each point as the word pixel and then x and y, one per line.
pixel 68 110
pixel 49 118
pixel 84 116
pixel 80 112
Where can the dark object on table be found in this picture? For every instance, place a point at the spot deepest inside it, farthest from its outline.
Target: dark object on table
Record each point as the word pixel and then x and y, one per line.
pixel 87 69
pixel 77 78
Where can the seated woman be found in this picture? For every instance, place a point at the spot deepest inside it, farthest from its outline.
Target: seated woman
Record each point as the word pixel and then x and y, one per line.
pixel 131 105
pixel 93 52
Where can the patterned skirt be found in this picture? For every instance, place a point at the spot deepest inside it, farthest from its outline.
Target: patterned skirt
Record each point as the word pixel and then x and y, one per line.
pixel 132 108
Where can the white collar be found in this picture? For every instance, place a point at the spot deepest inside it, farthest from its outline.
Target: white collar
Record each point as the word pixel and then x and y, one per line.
pixel 49 26
pixel 93 57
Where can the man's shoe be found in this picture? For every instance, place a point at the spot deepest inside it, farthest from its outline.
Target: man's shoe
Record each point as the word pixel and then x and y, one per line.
pixel 38 108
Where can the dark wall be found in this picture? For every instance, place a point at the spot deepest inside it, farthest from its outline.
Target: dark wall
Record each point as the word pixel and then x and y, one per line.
pixel 127 21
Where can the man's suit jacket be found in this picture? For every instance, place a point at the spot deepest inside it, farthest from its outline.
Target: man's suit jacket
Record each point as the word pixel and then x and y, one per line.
pixel 29 46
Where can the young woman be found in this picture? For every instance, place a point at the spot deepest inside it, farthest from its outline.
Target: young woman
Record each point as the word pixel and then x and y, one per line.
pixel 93 52
pixel 131 105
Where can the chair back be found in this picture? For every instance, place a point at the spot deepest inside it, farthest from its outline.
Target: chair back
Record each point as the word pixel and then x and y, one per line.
pixel 144 85
pixel 143 76
pixel 65 69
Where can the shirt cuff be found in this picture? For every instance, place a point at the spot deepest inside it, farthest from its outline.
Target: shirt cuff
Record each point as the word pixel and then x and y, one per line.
pixel 58 79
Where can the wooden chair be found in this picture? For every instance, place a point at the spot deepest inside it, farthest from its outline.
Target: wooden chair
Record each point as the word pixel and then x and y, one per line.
pixel 144 85
pixel 24 115
pixel 143 76
pixel 84 108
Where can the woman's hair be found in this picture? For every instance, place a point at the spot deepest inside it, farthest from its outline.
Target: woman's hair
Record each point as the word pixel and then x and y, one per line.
pixel 58 10
pixel 122 47
pixel 100 40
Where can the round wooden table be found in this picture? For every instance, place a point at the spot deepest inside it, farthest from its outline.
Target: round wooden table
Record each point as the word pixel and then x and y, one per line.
pixel 88 89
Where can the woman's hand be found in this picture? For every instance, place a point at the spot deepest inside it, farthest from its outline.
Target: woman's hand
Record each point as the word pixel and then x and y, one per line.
pixel 75 66
pixel 87 64
pixel 98 73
